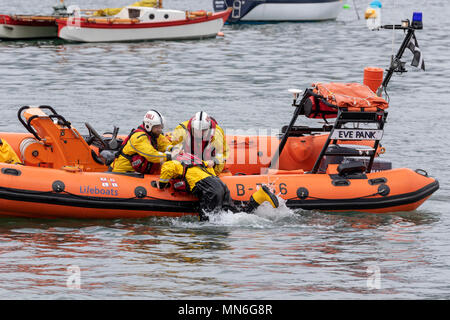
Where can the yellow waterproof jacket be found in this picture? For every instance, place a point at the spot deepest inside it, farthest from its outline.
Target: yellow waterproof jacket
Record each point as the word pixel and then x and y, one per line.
pixel 174 169
pixel 218 143
pixel 7 153
pixel 139 143
pixel 114 11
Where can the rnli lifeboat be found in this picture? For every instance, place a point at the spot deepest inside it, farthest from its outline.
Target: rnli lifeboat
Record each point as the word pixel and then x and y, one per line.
pixel 143 23
pixel 337 166
pixel 65 174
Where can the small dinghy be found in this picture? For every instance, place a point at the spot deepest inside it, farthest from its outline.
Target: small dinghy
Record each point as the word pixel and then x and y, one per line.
pixel 279 10
pixel 16 27
pixel 27 27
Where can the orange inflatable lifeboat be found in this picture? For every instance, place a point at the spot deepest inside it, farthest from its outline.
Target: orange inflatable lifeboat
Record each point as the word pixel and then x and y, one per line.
pixel 333 168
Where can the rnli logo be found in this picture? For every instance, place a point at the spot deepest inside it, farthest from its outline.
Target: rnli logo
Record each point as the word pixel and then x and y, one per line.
pixel 150 116
pixel 107 188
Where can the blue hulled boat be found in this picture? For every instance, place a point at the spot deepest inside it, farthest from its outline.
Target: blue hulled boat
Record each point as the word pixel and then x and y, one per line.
pixel 279 10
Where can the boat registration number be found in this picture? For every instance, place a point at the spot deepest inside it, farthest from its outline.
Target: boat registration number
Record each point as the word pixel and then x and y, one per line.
pixel 356 134
pixel 280 188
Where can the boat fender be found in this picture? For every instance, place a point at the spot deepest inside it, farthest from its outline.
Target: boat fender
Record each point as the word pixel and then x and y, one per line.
pixel 140 192
pixel 58 186
pixel 384 190
pixel 302 193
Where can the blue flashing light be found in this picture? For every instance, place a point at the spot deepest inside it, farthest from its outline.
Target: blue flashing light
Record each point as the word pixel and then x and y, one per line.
pixel 417 20
pixel 417 17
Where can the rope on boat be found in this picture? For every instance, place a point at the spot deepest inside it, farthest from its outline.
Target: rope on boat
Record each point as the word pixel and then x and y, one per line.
pixel 382 192
pixel 47 193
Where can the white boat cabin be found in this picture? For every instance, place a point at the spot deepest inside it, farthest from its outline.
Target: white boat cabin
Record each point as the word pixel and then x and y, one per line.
pixel 148 14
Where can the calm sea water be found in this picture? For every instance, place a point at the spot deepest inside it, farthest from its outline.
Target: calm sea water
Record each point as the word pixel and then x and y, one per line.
pixel 242 80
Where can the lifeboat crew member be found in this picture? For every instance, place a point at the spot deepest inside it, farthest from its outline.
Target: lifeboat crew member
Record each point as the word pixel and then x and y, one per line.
pixel 202 181
pixel 203 137
pixel 145 148
pixel 7 153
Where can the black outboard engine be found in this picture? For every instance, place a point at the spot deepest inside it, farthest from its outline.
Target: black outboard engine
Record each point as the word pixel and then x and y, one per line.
pixel 347 154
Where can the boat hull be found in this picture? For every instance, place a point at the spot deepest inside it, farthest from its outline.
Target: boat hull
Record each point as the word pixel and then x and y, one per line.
pixel 11 28
pixel 294 12
pixel 205 27
pixel 53 193
pixel 280 10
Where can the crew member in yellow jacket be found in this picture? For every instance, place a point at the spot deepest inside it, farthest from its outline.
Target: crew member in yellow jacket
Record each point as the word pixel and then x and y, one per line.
pixel 145 148
pixel 204 138
pixel 7 153
pixel 202 181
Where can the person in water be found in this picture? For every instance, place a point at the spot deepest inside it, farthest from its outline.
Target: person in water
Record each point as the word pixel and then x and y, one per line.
pixel 7 153
pixel 203 137
pixel 145 148
pixel 202 181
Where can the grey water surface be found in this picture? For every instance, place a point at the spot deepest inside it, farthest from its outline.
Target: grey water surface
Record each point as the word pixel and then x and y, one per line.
pixel 242 80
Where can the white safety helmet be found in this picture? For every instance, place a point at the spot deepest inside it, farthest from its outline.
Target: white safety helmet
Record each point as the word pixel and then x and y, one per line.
pixel 202 126
pixel 201 121
pixel 153 118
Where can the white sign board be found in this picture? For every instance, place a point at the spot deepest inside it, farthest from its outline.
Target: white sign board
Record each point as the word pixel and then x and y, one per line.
pixel 356 134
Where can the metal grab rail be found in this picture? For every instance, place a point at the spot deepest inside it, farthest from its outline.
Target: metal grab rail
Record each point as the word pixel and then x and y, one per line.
pixel 30 128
